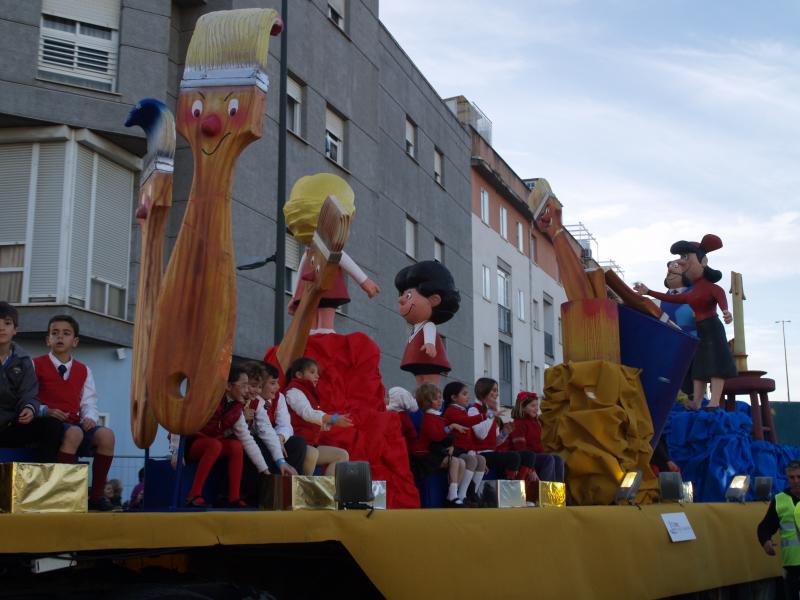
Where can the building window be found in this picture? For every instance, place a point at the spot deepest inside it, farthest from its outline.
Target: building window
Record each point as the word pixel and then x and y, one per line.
pixel 523 375
pixel 487 283
pixel 506 367
pixel 336 13
pixel 294 252
pixel 334 137
pixel 520 305
pixel 484 206
pixel 560 331
pixel 66 226
pixel 79 43
pixel 534 249
pixel 487 360
pixel 438 165
pixel 549 321
pixel 504 222
pixel 411 237
pixel 411 138
pixel 12 261
pixel 438 250
pixel 537 379
pixel 520 238
pixel 294 106
pixel 503 301
pixel 535 313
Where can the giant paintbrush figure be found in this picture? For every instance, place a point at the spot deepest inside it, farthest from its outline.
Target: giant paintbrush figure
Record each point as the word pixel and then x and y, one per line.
pixel 155 200
pixel 220 111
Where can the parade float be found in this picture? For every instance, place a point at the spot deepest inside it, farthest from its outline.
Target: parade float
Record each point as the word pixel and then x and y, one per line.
pixel 604 408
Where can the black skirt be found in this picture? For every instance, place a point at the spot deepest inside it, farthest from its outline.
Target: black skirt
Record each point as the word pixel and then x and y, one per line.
pixel 423 465
pixel 713 357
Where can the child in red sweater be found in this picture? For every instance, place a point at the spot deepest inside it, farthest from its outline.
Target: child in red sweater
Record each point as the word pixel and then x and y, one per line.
pixel 456 402
pixel 433 448
pixel 527 435
pixel 308 420
pixel 67 393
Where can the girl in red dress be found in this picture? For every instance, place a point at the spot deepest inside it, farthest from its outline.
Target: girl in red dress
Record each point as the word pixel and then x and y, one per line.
pixel 456 402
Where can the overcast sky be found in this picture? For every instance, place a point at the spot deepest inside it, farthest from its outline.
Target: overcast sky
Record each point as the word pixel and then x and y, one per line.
pixel 653 121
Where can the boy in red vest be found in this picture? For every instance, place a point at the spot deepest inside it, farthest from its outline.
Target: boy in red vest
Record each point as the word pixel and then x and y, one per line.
pixel 67 393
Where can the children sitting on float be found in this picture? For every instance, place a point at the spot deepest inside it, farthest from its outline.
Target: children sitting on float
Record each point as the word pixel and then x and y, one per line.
pixel 308 420
pixel 226 435
pixel 400 400
pixel 267 416
pixel 456 404
pixel 527 436
pixel 433 448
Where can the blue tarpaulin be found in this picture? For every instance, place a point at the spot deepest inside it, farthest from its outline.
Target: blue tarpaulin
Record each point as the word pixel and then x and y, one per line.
pixel 711 447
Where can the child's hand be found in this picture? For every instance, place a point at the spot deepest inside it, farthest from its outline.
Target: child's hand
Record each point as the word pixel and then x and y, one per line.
pixel 458 428
pixel 370 287
pixel 249 414
pixel 87 424
pixel 507 427
pixel 429 349
pixel 25 416
pixel 56 414
pixel 343 421
pixel 173 461
pixel 287 469
pixel 533 476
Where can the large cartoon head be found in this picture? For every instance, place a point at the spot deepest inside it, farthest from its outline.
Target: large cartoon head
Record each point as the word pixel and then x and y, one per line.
pixel 693 259
pixel 546 208
pixel 427 293
pixel 306 200
pixel 674 278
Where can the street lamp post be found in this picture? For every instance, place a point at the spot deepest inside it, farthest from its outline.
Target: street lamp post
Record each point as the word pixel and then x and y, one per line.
pixel 785 359
pixel 280 223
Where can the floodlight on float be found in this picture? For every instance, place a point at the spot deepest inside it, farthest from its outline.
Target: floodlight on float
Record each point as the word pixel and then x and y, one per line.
pixel 670 487
pixel 354 484
pixel 629 487
pixel 762 488
pixel 738 488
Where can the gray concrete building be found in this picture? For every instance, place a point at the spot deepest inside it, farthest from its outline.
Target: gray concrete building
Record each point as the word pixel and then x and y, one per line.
pixel 358 108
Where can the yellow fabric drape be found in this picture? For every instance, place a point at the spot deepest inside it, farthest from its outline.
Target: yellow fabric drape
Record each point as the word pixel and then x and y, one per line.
pixel 594 414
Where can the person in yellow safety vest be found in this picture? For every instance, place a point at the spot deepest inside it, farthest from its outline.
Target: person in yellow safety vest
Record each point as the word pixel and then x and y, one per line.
pixel 784 514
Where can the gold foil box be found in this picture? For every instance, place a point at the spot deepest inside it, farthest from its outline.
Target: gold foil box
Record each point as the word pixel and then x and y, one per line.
pixel 299 492
pixel 43 487
pixel 552 493
pixel 504 493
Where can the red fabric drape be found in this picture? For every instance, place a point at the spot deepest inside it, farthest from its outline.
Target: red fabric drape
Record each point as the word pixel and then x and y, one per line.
pixel 350 382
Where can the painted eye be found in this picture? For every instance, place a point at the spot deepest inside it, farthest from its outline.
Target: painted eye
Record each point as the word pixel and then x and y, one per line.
pixel 197 108
pixel 408 295
pixel 233 106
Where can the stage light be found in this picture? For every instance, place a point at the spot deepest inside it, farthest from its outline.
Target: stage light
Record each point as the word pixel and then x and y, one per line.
pixel 670 486
pixel 626 492
pixel 738 488
pixel 762 488
pixel 354 484
pixel 688 491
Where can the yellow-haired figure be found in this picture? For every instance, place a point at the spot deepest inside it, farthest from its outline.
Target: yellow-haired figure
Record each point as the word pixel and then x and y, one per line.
pixel 301 212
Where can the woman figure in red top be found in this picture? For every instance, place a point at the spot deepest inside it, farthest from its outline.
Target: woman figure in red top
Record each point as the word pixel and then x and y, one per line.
pixel 456 403
pixel 527 435
pixel 433 447
pixel 713 360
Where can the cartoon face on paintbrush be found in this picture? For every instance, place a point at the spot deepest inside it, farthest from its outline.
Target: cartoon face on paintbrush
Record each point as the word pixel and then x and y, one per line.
pixel 548 218
pixel 220 121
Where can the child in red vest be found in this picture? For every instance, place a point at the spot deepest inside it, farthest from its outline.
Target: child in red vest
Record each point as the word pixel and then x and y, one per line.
pixel 433 449
pixel 264 412
pixel 67 393
pixel 308 420
pixel 456 402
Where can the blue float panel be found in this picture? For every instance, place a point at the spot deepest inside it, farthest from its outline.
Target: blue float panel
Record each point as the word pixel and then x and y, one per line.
pixel 663 353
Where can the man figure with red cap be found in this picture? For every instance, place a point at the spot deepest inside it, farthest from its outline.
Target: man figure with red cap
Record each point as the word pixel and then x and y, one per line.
pixel 713 360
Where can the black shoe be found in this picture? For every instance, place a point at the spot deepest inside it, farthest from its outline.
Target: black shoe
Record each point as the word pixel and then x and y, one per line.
pixel 453 504
pixel 101 504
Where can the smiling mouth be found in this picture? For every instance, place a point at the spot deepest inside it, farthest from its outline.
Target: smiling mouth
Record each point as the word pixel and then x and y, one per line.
pixel 408 311
pixel 222 139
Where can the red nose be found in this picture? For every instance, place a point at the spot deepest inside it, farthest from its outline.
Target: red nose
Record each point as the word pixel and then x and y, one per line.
pixel 211 125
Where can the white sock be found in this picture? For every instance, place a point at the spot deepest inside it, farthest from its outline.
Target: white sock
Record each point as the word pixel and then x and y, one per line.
pixel 452 491
pixel 478 478
pixel 462 487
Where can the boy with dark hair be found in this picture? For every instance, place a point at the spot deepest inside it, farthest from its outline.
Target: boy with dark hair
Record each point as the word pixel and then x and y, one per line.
pixel 19 404
pixel 67 392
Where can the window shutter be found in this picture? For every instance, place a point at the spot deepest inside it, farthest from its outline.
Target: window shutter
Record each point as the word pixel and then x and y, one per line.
pixel 47 221
pixel 294 90
pixel 293 251
pixel 334 124
pixel 98 12
pixel 112 226
pixel 15 172
pixel 81 219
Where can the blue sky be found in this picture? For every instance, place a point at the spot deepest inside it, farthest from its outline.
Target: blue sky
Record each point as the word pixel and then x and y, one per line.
pixel 652 121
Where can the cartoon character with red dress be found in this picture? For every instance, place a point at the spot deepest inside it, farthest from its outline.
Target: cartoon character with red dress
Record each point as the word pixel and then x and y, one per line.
pixel 428 297
pixel 713 360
